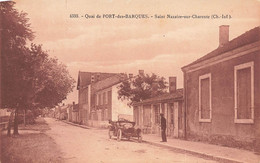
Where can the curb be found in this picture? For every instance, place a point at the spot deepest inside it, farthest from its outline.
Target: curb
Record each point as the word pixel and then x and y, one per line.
pixel 194 153
pixel 85 127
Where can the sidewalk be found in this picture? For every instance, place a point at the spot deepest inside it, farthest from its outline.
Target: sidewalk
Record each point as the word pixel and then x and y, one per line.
pixel 78 125
pixel 215 152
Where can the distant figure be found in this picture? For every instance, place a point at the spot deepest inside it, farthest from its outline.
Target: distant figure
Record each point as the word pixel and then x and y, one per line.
pixel 163 128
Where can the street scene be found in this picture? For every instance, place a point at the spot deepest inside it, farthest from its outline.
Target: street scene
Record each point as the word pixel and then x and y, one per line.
pixel 118 81
pixel 94 145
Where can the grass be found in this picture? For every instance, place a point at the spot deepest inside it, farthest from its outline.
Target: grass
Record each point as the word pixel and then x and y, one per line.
pixel 30 148
pixel 40 125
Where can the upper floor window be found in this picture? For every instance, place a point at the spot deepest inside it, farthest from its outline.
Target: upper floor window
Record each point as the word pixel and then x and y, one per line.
pixel 104 98
pixel 99 99
pixel 96 99
pixel 109 97
pixel 244 92
pixel 205 110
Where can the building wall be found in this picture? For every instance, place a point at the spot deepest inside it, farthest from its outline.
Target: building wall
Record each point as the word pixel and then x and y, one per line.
pixel 100 107
pixel 222 127
pixel 103 105
pixel 120 107
pixel 147 117
pixel 83 105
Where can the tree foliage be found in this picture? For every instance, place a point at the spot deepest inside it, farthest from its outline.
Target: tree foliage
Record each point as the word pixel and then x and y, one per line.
pixel 142 87
pixel 30 78
pixel 15 31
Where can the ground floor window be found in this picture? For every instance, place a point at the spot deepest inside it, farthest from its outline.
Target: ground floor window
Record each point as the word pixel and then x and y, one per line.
pixel 147 115
pixel 171 113
pixel 157 114
pixel 205 98
pixel 136 115
pixel 244 92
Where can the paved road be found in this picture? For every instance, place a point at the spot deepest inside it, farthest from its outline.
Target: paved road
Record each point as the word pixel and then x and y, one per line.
pixel 94 146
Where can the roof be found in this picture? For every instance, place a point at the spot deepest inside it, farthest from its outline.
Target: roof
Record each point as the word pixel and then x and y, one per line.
pixel 108 82
pixel 84 78
pixel 248 37
pixel 177 95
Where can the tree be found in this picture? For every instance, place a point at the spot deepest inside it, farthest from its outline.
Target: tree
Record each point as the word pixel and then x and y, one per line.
pixel 30 78
pixel 142 87
pixel 15 31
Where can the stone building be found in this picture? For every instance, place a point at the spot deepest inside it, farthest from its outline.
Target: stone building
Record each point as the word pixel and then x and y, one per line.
pixel 98 99
pixel 222 91
pixel 85 79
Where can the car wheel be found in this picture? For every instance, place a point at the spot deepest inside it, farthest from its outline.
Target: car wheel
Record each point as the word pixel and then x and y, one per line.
pixel 119 135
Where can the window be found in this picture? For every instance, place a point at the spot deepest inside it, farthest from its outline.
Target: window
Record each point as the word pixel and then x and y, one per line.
pixel 136 115
pixel 171 113
pixel 205 98
pixel 105 114
pixel 147 115
pixel 104 98
pixel 244 93
pixel 95 99
pixel 99 99
pixel 157 114
pixel 109 97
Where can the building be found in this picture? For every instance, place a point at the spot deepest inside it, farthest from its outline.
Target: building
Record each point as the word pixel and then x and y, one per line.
pixel 60 112
pixel 222 92
pixel 147 112
pixel 98 99
pixel 105 104
pixel 85 79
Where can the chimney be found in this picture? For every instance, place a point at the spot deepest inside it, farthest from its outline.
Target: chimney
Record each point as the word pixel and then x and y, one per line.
pixel 130 75
pixel 141 72
pixel 223 35
pixel 92 78
pixel 172 84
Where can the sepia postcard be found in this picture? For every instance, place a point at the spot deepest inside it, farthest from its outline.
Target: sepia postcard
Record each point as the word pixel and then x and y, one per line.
pixel 129 81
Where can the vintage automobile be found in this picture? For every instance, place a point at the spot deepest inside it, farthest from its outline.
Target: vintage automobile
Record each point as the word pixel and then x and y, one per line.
pixel 124 129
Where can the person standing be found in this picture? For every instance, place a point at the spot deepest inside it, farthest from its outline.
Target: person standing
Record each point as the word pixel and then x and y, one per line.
pixel 163 128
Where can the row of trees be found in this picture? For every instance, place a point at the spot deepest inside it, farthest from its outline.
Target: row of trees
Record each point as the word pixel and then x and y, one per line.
pixel 30 77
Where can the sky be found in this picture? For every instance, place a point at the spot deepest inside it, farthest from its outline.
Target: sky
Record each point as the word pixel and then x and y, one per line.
pixel 120 45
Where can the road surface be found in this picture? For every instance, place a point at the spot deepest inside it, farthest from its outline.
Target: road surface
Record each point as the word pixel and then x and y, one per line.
pixel 93 146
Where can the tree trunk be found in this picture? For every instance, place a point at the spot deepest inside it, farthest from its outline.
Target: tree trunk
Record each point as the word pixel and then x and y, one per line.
pixel 24 118
pixel 10 124
pixel 16 122
pixel 9 128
